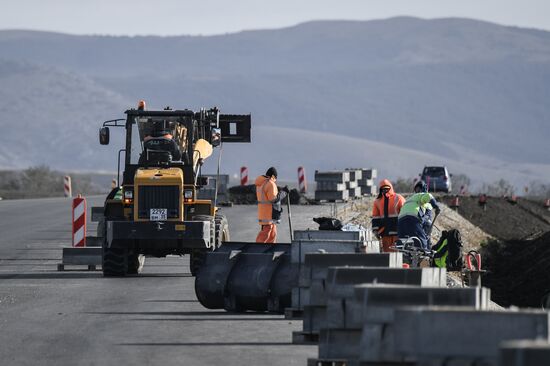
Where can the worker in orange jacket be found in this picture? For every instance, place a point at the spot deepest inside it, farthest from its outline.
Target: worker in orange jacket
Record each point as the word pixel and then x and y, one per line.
pixel 384 214
pixel 269 205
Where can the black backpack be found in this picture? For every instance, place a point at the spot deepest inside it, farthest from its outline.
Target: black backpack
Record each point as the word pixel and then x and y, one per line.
pixel 453 249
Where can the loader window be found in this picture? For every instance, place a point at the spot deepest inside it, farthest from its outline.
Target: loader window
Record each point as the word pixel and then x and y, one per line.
pixel 137 146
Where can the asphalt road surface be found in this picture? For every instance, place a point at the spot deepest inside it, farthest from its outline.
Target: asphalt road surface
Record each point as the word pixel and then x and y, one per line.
pixel 77 317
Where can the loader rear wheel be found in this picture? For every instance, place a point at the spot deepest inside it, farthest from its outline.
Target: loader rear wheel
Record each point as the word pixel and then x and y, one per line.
pixel 135 263
pixel 115 261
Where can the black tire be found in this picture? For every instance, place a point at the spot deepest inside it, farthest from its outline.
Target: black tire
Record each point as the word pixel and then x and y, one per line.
pixel 115 261
pixel 135 263
pixel 222 230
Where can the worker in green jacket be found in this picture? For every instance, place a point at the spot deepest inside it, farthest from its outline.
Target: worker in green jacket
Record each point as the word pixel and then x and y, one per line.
pixel 411 220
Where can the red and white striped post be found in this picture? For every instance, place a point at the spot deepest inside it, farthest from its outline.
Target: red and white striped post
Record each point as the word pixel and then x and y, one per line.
pixel 302 183
pixel 244 176
pixel 79 221
pixel 67 186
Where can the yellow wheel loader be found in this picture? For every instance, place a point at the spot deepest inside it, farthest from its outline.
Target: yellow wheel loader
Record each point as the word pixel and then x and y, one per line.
pixel 155 211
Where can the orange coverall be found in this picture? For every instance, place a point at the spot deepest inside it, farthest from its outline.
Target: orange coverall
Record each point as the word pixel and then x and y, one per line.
pixel 266 193
pixel 385 211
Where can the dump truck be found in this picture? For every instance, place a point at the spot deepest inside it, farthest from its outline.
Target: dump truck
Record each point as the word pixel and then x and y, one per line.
pixel 156 210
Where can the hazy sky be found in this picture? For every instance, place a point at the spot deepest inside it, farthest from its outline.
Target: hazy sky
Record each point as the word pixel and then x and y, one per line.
pixel 175 17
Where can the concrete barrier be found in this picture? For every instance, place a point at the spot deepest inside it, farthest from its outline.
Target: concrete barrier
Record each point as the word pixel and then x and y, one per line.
pixel 300 248
pixel 340 284
pixel 364 235
pixel 525 353
pixel 316 265
pixel 366 319
pixel 436 333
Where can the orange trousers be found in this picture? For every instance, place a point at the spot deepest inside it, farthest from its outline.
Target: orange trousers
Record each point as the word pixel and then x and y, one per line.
pixel 267 234
pixel 387 242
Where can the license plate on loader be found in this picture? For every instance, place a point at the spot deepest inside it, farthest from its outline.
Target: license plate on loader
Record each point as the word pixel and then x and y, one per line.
pixel 158 214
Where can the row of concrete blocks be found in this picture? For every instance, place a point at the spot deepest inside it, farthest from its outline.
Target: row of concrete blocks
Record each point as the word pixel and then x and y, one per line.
pixel 335 186
pixel 348 175
pixel 314 241
pixel 408 315
pixel 343 185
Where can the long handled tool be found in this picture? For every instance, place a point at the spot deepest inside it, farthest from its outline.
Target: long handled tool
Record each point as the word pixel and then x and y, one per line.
pixel 289 216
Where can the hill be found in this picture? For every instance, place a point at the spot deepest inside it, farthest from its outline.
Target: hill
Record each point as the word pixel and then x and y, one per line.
pixel 468 93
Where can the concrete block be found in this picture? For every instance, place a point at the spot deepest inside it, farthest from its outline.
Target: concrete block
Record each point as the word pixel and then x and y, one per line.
pixel 525 353
pixel 332 235
pixel 355 174
pixel 299 297
pixel 366 182
pixel 350 185
pixel 332 176
pixel 428 333
pixel 354 192
pixel 330 186
pixel 339 343
pixel 316 264
pixel 340 281
pixel 369 174
pixel 300 248
pixel 83 256
pixel 331 195
pixel 314 318
pixel 372 247
pixel 434 277
pixel 368 190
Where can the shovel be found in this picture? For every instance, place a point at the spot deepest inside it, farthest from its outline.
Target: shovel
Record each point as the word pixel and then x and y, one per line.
pixel 289 216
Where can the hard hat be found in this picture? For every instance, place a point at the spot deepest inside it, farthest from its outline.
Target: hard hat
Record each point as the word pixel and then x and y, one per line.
pixel 141 105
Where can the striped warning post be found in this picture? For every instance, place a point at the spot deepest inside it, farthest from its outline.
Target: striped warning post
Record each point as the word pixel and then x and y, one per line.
pixel 79 221
pixel 67 186
pixel 244 176
pixel 302 183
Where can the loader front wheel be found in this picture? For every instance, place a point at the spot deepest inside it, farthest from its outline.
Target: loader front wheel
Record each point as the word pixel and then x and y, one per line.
pixel 115 261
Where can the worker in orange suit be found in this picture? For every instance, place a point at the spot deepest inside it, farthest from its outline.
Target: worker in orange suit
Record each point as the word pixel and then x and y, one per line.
pixel 384 214
pixel 269 205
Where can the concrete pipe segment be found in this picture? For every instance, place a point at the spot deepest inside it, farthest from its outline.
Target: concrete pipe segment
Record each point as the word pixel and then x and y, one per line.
pixel 241 277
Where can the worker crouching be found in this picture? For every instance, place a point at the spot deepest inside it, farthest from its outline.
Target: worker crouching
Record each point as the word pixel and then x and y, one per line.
pixel 385 211
pixel 269 205
pixel 415 215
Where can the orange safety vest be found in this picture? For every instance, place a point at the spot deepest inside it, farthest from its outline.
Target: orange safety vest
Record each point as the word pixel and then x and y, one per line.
pixel 266 193
pixel 385 211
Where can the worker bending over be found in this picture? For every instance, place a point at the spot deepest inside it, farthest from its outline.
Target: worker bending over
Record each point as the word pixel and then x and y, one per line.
pixel 411 221
pixel 385 211
pixel 269 205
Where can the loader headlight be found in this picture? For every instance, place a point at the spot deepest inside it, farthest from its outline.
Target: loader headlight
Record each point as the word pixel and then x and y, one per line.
pixel 129 195
pixel 188 194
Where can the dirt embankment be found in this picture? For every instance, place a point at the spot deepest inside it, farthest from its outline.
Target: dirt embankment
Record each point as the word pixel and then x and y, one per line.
pixel 503 219
pixel 518 260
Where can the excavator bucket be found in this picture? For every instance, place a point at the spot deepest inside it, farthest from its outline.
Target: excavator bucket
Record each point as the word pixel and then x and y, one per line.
pixel 242 277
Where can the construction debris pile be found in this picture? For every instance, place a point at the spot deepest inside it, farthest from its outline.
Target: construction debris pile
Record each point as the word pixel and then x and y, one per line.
pixel 518 271
pixel 335 185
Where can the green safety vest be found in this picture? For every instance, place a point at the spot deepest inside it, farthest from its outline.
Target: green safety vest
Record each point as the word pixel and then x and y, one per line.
pixel 414 204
